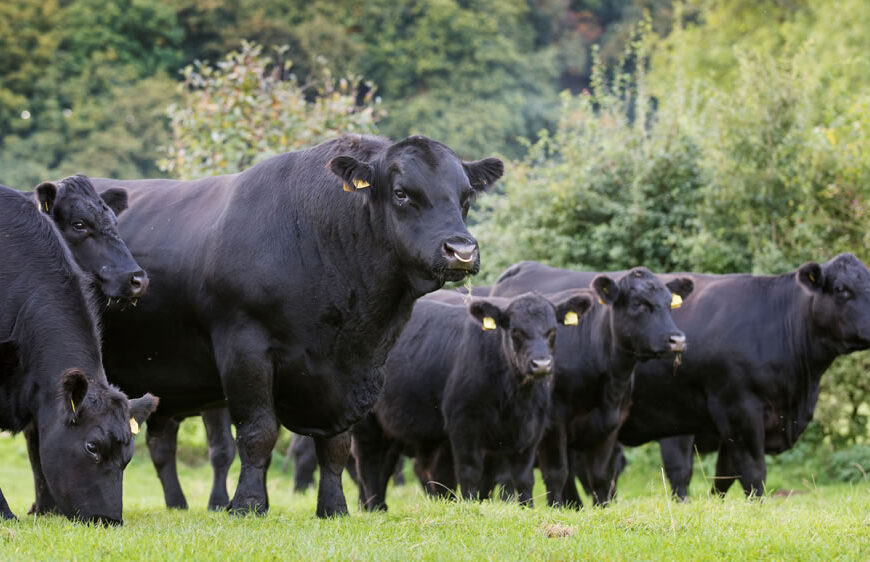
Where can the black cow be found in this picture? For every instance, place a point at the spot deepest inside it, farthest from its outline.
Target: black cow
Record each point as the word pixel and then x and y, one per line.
pixel 52 380
pixel 89 225
pixel 630 323
pixel 750 382
pixel 475 395
pixel 283 288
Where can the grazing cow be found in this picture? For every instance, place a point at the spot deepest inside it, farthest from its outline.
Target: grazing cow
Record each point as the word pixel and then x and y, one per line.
pixel 89 225
pixel 629 324
pixel 477 395
pixel 749 384
pixel 52 380
pixel 283 288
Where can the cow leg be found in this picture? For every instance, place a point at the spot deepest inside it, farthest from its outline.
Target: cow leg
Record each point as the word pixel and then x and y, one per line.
pixel 469 460
pixel 523 474
pixel 677 461
pixel 44 502
pixel 5 512
pixel 491 468
pixel 599 467
pixel 162 439
pixel 570 495
pixel 748 459
pixel 332 455
pixel 242 357
pixel 553 458
pixel 435 470
pixel 221 452
pixel 726 473
pixel 304 462
pixel 369 445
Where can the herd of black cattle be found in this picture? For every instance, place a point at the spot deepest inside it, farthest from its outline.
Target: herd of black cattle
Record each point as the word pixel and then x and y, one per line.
pixel 304 292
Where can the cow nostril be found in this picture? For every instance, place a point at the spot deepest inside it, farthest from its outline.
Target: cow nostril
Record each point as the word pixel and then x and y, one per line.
pixel 678 338
pixel 461 251
pixel 541 365
pixel 138 283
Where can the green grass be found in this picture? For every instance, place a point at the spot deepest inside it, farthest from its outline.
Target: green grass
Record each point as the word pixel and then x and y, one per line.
pixel 815 522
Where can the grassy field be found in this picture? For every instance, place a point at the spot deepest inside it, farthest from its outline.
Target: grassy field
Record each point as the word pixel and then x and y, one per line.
pixel 803 521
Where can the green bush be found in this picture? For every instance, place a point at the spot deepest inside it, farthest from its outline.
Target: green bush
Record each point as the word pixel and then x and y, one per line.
pixel 248 108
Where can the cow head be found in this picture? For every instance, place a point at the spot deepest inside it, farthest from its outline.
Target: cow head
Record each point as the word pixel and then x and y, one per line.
pixel 841 301
pixel 641 322
pixel 527 325
pixel 89 225
pixel 85 442
pixel 419 192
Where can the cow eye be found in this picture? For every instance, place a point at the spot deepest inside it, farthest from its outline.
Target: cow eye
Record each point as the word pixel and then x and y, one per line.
pixel 400 194
pixel 91 449
pixel 79 226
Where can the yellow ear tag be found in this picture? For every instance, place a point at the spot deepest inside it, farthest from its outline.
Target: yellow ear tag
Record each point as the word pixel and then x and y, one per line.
pixel 347 188
pixel 134 426
pixel 45 206
pixel 812 279
pixel 73 404
pixel 600 300
pixel 488 323
pixel 571 318
pixel 676 301
pixel 360 184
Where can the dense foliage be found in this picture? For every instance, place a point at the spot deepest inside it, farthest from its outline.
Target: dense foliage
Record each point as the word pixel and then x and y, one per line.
pixel 241 112
pixel 84 84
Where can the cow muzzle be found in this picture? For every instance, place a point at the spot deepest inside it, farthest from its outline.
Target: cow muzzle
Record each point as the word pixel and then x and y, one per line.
pixel 677 342
pixel 541 367
pixel 461 255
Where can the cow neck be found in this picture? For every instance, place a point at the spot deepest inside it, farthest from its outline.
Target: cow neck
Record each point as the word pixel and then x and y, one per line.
pixel 612 363
pixel 353 255
pixel 806 351
pixel 55 329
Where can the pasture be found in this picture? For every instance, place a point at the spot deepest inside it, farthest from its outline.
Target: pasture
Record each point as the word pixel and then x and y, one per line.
pixel 815 522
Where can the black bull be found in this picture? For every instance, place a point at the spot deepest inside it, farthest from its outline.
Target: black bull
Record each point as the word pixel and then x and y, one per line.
pixel 758 348
pixel 284 287
pixel 52 382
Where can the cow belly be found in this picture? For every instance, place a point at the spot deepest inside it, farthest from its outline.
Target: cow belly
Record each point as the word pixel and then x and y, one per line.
pixel 321 404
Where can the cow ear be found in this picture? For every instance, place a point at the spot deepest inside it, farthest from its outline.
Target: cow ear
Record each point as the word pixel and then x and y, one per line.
pixel 74 388
pixel 487 314
pixel 46 193
pixel 116 199
pixel 356 175
pixel 681 286
pixel 8 357
pixel 810 276
pixel 483 173
pixel 569 309
pixel 141 408
pixel 606 289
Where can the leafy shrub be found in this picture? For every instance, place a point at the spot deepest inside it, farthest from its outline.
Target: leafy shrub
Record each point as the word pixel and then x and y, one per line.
pixel 246 109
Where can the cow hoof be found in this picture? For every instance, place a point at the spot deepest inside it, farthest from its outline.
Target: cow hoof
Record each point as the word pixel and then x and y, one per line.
pixel 8 515
pixel 242 509
pixel 41 509
pixel 331 511
pixel 218 502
